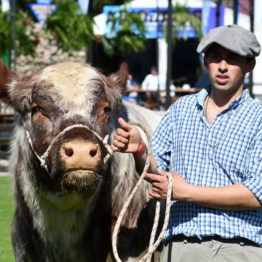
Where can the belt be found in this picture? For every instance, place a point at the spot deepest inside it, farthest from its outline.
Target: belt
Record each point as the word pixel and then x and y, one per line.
pixel 237 240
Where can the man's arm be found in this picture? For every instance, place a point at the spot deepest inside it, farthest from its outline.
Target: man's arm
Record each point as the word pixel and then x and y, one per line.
pixel 234 197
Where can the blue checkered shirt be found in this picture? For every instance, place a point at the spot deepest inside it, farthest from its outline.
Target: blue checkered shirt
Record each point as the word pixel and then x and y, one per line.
pixel 226 152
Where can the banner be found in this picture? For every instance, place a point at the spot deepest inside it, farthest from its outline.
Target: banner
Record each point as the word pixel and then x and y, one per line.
pixel 155 20
pixel 42 10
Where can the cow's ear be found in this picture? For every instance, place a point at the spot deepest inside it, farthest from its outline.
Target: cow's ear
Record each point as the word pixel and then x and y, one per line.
pixel 120 79
pixel 20 91
pixel 6 76
pixel 14 89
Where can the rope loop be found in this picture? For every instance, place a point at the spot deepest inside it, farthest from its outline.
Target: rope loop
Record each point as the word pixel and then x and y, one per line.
pixel 152 243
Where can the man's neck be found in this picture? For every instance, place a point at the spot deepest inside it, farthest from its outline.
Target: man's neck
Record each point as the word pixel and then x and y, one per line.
pixel 217 102
pixel 221 99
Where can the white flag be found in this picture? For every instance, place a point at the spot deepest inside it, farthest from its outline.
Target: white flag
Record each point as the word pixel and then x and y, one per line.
pixel 5 5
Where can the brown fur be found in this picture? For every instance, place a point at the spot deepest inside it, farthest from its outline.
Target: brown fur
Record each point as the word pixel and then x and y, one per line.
pixel 65 214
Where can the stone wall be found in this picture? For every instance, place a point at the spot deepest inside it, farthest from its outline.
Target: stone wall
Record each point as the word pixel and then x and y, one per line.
pixel 46 53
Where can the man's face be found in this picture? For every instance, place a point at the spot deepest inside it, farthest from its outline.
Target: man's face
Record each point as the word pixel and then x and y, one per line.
pixel 226 69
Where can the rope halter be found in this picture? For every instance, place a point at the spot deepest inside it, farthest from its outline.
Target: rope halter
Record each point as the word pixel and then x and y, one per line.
pixel 44 156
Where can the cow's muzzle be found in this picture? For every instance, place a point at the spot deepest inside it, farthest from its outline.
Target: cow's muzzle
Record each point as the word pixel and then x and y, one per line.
pixel 81 160
pixel 72 152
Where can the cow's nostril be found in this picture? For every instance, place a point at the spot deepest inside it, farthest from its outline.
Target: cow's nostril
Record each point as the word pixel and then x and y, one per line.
pixel 93 152
pixel 69 152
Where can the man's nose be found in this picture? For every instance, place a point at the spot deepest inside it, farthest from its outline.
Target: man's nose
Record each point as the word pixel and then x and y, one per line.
pixel 223 65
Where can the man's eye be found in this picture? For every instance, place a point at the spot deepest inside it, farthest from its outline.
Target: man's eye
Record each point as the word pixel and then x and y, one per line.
pixel 233 58
pixel 215 57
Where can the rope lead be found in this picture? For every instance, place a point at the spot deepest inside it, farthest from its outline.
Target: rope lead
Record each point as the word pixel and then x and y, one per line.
pixel 152 245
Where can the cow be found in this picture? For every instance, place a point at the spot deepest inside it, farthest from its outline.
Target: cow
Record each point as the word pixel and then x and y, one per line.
pixel 69 187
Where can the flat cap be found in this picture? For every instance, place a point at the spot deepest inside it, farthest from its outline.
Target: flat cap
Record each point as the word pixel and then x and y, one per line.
pixel 233 38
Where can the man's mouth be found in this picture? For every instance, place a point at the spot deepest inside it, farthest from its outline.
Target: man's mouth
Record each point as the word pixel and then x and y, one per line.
pixel 222 79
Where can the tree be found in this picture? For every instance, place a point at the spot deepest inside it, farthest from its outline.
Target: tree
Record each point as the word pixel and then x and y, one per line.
pixel 182 18
pixel 25 38
pixel 128 31
pixel 73 30
pixel 76 31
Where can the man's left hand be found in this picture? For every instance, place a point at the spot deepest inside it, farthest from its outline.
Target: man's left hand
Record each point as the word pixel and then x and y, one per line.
pixel 160 185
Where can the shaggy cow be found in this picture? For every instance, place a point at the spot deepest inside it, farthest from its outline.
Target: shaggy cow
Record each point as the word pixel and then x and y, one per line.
pixel 69 187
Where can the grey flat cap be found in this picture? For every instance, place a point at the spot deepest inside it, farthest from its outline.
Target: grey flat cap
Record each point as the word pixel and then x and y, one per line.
pixel 233 38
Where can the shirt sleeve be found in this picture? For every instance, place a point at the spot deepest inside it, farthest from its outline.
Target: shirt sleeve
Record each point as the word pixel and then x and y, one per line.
pixel 253 179
pixel 162 141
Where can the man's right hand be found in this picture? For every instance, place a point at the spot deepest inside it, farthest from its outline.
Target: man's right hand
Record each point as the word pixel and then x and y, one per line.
pixel 127 138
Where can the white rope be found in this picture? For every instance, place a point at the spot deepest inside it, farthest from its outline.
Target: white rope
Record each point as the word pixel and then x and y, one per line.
pixel 152 245
pixel 43 158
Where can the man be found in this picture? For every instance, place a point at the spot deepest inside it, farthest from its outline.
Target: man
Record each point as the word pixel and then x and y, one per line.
pixel 211 143
pixel 151 80
pixel 152 83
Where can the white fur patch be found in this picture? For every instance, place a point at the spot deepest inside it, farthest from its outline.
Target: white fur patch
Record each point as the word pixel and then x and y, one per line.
pixel 70 81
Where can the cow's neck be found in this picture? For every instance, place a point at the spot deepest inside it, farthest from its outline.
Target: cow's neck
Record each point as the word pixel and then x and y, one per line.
pixel 50 211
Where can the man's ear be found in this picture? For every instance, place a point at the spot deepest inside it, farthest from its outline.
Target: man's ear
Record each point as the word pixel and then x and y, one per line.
pixel 15 90
pixel 251 65
pixel 205 61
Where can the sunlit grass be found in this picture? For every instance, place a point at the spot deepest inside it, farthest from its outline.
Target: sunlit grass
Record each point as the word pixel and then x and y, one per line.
pixel 6 215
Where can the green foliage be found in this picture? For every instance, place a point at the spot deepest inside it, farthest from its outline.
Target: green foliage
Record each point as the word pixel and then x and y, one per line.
pixel 6 214
pixel 128 31
pixel 72 29
pixel 181 18
pixel 25 39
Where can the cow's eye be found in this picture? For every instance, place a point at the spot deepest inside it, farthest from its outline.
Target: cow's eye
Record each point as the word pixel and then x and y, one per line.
pixel 107 110
pixel 35 109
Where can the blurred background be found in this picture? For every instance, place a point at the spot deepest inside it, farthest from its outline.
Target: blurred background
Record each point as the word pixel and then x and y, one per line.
pixel 136 34
pixel 153 40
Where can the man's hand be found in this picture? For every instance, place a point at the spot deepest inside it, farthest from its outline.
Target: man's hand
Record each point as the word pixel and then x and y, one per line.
pixel 127 138
pixel 160 185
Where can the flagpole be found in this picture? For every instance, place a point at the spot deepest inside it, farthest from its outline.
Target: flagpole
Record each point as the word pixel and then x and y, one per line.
pixel 169 54
pixel 13 17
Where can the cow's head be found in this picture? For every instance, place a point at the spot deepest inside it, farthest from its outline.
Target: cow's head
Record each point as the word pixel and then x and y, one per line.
pixel 66 110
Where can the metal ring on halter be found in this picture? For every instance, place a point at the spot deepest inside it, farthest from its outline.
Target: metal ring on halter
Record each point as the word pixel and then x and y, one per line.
pixel 43 158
